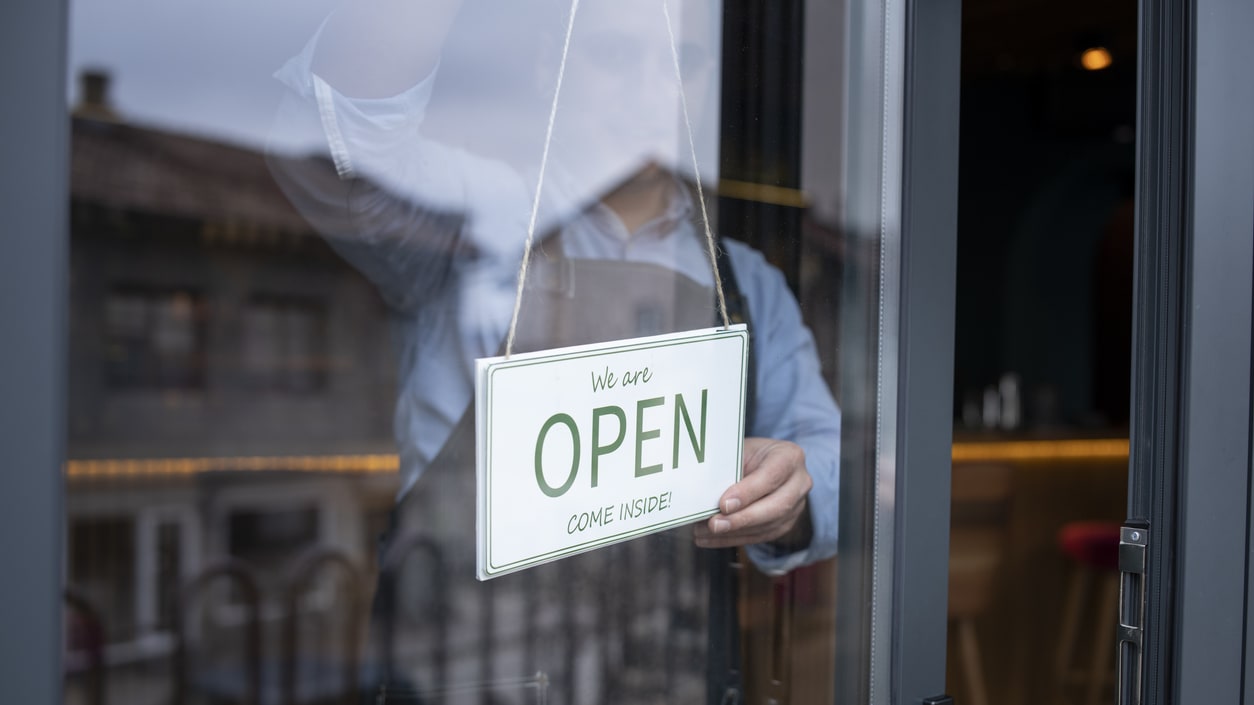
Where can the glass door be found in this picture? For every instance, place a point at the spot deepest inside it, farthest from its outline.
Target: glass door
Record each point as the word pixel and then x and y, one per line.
pixel 293 229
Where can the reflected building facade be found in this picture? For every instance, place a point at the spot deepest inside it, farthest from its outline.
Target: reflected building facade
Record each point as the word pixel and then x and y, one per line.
pixel 229 392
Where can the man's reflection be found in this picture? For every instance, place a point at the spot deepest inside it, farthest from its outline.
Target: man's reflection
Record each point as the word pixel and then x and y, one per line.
pixel 433 115
pixel 440 226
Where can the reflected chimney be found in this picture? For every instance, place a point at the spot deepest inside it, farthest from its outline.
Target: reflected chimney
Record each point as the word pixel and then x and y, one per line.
pixel 93 103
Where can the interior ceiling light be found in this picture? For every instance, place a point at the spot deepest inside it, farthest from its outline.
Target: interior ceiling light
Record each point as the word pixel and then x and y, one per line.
pixel 1096 59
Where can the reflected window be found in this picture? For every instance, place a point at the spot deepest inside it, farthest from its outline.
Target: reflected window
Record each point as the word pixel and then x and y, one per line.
pixel 284 343
pixel 102 568
pixel 272 539
pixel 154 338
pixel 169 570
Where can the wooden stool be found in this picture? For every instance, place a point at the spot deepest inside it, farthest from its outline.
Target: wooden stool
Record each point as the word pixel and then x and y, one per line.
pixel 980 497
pixel 1093 546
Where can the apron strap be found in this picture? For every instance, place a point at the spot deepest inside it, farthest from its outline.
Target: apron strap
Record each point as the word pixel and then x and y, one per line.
pixel 723 671
pixel 738 312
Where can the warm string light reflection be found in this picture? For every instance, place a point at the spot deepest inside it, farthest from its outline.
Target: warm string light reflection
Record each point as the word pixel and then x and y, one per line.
pixel 1097 449
pixel 166 467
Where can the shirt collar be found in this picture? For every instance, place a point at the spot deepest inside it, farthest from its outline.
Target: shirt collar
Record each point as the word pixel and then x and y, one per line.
pixel 679 208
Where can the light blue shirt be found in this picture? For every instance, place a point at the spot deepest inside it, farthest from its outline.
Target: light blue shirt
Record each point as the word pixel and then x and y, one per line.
pixel 442 236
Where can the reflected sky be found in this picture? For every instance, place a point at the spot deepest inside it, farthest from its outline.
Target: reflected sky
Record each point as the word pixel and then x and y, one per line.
pixel 191 66
pixel 207 69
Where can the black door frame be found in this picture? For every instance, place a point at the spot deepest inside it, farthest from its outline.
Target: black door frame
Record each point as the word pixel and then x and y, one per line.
pixel 1190 469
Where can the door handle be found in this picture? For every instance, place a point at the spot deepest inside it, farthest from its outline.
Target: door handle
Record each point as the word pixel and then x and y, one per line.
pixel 1133 552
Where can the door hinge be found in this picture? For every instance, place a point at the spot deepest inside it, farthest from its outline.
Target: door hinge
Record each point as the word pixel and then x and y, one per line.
pixel 1133 564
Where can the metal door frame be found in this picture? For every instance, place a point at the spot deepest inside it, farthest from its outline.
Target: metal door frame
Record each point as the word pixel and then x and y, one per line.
pixel 926 348
pixel 901 140
pixel 34 135
pixel 1190 466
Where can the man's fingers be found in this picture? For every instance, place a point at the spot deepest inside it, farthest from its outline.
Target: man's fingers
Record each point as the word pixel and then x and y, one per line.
pixel 764 520
pixel 706 537
pixel 784 501
pixel 767 466
pixel 766 503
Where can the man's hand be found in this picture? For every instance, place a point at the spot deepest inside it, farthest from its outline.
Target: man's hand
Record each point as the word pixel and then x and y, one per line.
pixel 769 502
pixel 379 48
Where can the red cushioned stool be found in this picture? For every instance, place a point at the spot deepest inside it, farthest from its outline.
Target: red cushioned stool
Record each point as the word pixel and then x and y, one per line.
pixel 1093 548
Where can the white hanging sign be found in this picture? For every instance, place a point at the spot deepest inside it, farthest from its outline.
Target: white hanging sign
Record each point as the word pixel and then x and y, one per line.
pixel 582 447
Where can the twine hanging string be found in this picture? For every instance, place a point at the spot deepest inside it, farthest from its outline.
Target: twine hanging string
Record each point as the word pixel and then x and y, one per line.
pixel 696 169
pixel 544 159
pixel 535 205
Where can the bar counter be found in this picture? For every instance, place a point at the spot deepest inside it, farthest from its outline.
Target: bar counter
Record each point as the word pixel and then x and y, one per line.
pixel 1048 483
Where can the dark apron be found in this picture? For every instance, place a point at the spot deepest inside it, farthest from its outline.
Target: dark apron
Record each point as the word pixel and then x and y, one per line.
pixel 650 620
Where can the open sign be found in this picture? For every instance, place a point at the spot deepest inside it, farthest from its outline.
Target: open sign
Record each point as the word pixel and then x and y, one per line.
pixel 582 447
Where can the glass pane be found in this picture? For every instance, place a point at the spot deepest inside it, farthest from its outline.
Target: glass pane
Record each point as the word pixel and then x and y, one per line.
pixel 297 226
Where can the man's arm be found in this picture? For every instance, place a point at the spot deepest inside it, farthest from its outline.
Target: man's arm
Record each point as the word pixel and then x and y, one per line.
pixel 785 506
pixel 399 206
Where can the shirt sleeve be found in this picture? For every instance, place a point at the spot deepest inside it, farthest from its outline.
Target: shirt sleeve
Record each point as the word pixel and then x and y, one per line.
pixel 402 208
pixel 793 402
